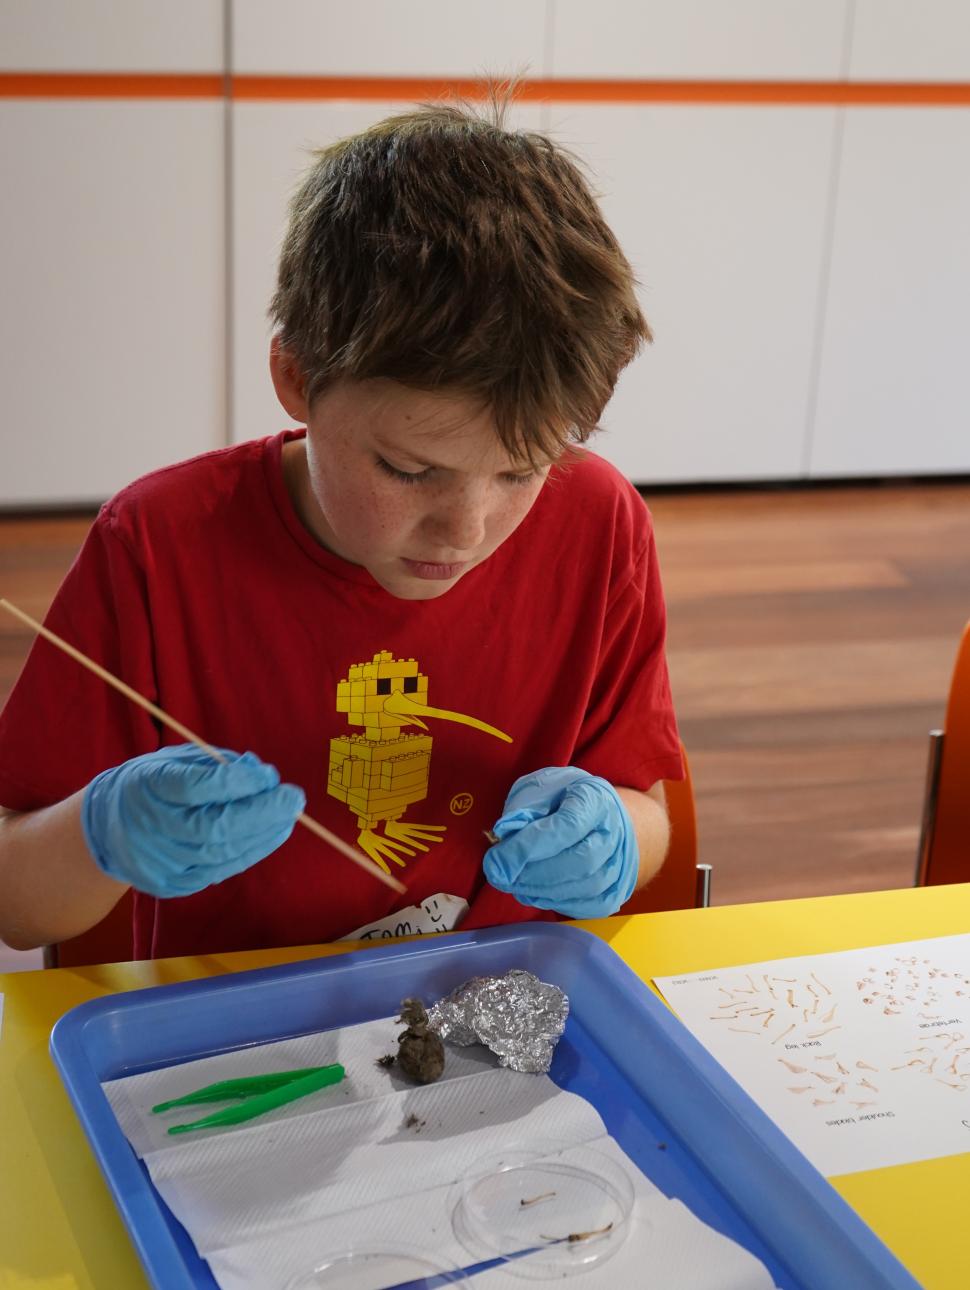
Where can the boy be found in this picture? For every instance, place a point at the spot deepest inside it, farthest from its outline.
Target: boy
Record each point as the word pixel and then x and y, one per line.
pixel 427 600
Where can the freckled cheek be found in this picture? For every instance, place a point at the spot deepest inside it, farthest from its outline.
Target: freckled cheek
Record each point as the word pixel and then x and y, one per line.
pixel 363 519
pixel 387 516
pixel 507 517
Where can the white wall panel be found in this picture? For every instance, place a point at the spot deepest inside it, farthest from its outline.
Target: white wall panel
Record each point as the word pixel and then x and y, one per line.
pixel 111 35
pixel 112 312
pixel 911 40
pixel 272 146
pixel 388 37
pixel 894 385
pixel 694 39
pixel 722 212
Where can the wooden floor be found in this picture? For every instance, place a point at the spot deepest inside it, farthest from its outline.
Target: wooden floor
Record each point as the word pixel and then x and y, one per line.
pixel 811 637
pixel 812 634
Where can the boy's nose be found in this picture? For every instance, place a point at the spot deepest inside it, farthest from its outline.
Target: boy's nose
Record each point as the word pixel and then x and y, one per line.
pixel 461 527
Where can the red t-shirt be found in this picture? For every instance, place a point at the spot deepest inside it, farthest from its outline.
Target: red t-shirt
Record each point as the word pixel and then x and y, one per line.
pixel 200 587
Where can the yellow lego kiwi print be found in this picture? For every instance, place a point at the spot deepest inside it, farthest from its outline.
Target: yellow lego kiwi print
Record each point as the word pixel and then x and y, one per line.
pixel 382 770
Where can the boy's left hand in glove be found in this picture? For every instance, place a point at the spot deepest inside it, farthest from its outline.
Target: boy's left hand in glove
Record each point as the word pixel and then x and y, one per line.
pixel 566 842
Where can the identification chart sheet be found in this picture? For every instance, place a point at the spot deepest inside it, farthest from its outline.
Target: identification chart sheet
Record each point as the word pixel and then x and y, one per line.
pixel 861 1057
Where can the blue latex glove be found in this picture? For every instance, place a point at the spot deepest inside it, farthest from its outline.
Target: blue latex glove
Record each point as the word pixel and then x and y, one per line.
pixel 175 821
pixel 566 842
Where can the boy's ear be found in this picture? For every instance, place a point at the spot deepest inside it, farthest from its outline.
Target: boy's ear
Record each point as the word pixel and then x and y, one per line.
pixel 288 381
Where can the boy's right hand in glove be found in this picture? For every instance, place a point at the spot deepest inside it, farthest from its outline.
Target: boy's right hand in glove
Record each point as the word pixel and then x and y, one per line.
pixel 174 821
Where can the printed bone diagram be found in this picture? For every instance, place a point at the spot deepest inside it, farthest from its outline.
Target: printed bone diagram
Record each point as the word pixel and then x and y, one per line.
pixel 801 1014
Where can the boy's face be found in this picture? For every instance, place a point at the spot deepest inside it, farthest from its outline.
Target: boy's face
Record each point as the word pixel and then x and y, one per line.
pixel 416 487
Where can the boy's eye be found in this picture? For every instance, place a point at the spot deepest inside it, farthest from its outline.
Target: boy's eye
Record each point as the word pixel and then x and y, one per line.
pixel 416 476
pixel 403 476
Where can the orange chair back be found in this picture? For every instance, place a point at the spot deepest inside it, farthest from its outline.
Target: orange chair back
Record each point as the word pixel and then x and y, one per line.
pixel 675 886
pixel 110 941
pixel 948 857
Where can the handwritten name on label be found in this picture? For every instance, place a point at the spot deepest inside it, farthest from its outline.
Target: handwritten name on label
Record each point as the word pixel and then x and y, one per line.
pixel 809 1043
pixel 950 1021
pixel 440 913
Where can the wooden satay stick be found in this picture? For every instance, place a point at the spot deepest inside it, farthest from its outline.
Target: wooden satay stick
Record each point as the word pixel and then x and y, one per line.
pixel 307 821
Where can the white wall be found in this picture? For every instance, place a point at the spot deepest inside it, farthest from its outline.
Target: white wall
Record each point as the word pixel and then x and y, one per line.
pixel 894 380
pixel 910 40
pixel 722 211
pixel 388 37
pixel 111 35
pixel 112 254
pixel 804 266
pixel 698 39
pixel 893 390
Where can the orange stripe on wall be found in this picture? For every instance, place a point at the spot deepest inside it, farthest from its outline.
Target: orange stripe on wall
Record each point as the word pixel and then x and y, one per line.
pixel 54 85
pixel 109 85
pixel 378 87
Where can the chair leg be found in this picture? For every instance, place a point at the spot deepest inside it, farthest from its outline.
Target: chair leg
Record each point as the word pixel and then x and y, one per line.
pixel 928 822
pixel 702 887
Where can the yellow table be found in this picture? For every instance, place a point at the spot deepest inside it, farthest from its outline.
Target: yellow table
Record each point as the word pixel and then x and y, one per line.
pixel 58 1225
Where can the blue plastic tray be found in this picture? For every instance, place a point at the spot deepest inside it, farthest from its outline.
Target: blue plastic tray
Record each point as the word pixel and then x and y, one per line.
pixel 672 1108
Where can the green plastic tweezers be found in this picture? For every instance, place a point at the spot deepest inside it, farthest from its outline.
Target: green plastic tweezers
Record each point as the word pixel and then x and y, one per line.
pixel 257 1093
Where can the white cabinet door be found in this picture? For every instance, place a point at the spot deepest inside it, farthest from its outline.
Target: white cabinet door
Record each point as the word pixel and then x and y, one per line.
pixel 112 314
pixel 894 383
pixel 722 213
pixel 272 147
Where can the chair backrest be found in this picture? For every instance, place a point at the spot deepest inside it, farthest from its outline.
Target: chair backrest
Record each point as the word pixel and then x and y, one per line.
pixel 110 941
pixel 675 886
pixel 947 856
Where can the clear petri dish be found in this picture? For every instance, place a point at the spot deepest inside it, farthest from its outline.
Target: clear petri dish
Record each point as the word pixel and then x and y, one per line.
pixel 377 1268
pixel 549 1211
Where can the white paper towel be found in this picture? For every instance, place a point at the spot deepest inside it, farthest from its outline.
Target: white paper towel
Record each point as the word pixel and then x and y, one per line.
pixel 666 1246
pixel 375 1158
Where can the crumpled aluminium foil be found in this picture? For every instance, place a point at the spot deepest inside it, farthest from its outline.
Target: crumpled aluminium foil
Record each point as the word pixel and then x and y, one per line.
pixel 517 1016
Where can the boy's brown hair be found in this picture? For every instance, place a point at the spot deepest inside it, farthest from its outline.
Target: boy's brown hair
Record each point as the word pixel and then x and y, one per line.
pixel 444 251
